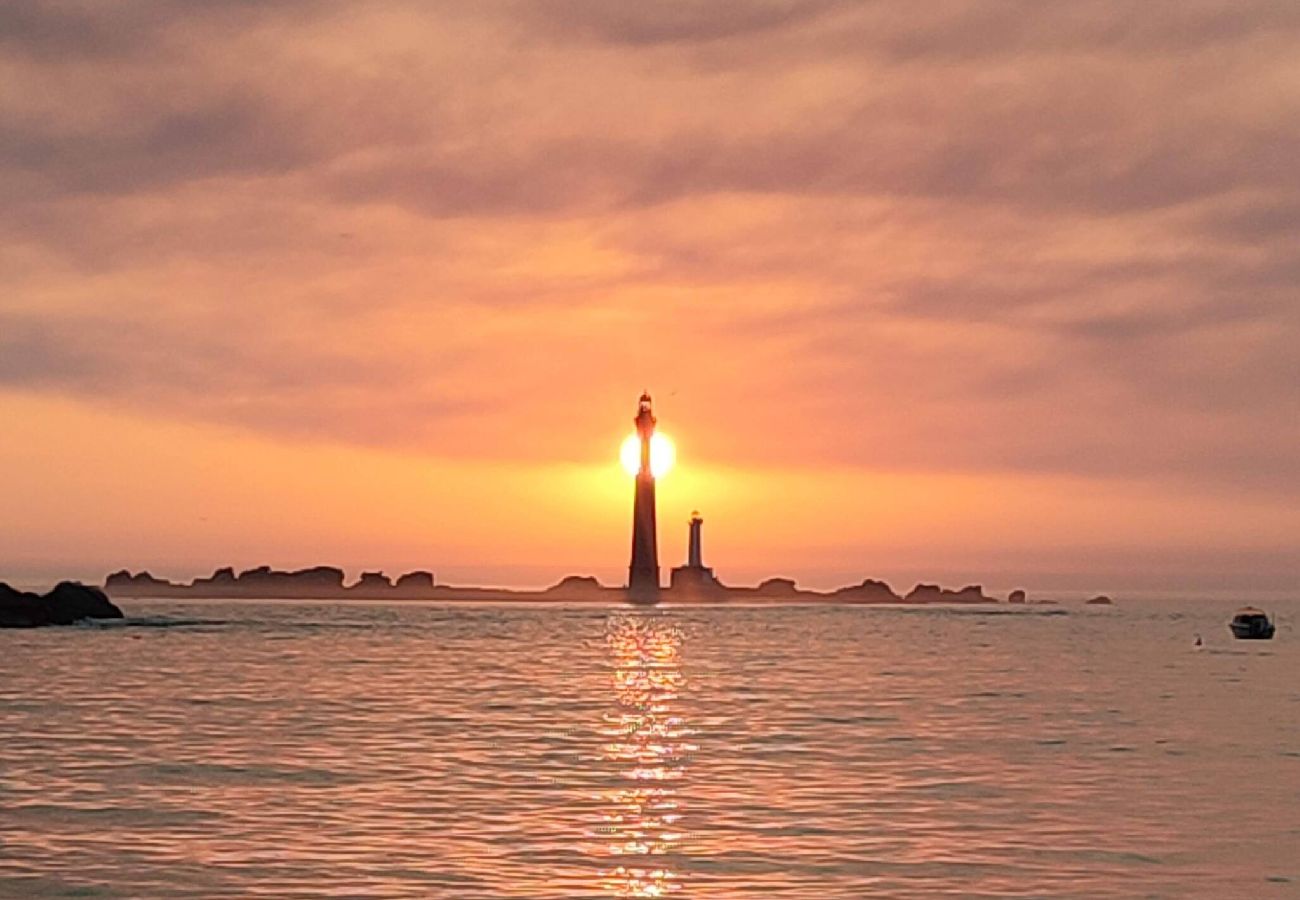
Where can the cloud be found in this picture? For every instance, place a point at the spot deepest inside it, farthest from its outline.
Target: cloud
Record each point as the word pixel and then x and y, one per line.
pixel 1049 236
pixel 673 22
pixel 77 30
pixel 231 135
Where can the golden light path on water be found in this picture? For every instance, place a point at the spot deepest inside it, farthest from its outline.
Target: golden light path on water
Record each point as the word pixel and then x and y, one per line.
pixel 647 739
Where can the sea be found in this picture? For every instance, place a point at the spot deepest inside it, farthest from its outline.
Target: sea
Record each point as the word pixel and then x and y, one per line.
pixel 311 749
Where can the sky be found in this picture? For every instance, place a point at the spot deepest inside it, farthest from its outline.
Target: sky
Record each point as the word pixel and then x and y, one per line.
pixel 967 290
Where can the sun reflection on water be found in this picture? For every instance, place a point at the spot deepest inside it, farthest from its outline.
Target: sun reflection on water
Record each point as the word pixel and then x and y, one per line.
pixel 647 741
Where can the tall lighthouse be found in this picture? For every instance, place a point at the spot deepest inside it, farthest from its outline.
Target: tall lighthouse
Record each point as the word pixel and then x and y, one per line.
pixel 643 573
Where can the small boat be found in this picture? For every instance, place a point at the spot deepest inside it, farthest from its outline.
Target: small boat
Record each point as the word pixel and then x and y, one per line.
pixel 1250 624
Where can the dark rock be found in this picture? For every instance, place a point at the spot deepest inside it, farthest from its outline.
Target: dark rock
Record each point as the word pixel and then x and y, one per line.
pixel 971 593
pixel 70 601
pixel 19 609
pixel 67 603
pixel 266 582
pixel 119 580
pixel 932 593
pixel 1016 597
pixel 576 585
pixel 415 582
pixel 924 593
pixel 224 575
pixel 125 582
pixel 778 587
pixel 1102 600
pixel 371 582
pixel 869 591
pixel 317 576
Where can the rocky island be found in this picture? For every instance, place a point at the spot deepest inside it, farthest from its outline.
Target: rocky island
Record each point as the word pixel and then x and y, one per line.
pixel 685 586
pixel 265 583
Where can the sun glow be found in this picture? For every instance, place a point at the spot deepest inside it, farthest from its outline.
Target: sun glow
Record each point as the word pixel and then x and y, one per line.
pixel 662 454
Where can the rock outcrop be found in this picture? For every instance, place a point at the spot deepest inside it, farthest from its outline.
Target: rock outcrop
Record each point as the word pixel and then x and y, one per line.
pixel 223 577
pixel 687 584
pixel 1102 600
pixel 869 591
pixel 268 582
pixel 372 583
pixel 125 582
pixel 924 593
pixel 932 593
pixel 327 578
pixel 777 587
pixel 265 583
pixel 577 586
pixel 415 582
pixel 69 602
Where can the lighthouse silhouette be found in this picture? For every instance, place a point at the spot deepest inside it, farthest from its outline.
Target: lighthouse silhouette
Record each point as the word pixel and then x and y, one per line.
pixel 643 573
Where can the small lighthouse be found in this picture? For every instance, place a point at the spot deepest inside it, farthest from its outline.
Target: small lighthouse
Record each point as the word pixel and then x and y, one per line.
pixel 695 552
pixel 694 577
pixel 643 573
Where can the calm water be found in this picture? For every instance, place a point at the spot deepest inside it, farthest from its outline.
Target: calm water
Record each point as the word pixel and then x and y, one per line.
pixel 296 750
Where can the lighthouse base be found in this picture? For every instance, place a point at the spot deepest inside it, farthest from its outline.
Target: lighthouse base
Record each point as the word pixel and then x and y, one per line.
pixel 645 588
pixel 695 582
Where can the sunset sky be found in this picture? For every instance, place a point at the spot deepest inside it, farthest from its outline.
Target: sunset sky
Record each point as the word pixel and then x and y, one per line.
pixel 962 291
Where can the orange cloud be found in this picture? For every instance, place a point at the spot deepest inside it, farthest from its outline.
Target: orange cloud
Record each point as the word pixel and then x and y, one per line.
pixel 965 251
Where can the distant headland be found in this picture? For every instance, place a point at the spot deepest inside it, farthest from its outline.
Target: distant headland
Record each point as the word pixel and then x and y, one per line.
pixel 688 585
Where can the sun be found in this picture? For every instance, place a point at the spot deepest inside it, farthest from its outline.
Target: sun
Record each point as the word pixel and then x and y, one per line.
pixel 662 454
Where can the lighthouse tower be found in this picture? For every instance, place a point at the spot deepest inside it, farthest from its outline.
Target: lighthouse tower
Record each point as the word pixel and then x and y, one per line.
pixel 694 578
pixel 643 573
pixel 695 549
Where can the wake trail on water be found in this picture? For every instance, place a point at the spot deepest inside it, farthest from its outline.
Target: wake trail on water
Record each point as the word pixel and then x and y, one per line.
pixel 149 622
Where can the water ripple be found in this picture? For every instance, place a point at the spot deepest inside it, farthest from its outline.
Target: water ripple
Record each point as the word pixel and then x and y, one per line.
pixel 317 750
